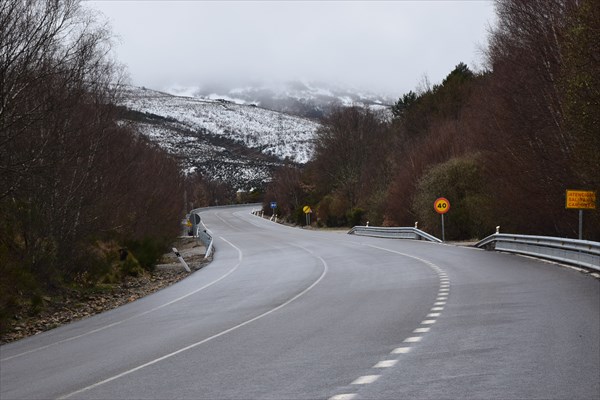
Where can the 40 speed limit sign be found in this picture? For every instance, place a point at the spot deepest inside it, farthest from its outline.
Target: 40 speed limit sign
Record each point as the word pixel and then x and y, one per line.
pixel 441 205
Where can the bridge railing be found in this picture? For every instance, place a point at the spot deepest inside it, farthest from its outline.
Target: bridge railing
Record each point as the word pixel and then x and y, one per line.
pixel 393 233
pixel 581 253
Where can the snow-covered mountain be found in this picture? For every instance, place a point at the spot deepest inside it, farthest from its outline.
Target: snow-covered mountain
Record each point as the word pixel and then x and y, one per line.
pixel 307 99
pixel 239 135
pixel 237 143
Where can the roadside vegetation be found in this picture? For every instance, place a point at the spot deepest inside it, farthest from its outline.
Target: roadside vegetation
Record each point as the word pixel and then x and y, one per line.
pixel 84 200
pixel 502 144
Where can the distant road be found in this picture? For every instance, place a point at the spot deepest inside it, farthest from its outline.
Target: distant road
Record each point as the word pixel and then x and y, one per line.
pixel 288 313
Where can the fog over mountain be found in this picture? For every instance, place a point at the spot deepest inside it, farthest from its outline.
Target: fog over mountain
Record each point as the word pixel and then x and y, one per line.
pixel 381 46
pixel 306 99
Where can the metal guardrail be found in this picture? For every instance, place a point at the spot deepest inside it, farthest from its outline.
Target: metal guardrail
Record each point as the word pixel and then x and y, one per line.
pixel 582 253
pixel 206 240
pixel 393 233
pixel 198 210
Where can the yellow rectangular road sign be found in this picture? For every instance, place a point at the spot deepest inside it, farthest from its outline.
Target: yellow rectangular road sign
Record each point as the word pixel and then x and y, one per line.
pixel 581 199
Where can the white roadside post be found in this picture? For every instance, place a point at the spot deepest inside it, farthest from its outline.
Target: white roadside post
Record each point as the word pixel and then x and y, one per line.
pixel 181 260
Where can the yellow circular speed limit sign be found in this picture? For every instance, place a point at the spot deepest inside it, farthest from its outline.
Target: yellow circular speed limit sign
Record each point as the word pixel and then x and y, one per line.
pixel 441 205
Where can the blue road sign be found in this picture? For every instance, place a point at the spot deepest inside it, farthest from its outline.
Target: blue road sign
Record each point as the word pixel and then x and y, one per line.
pixel 273 204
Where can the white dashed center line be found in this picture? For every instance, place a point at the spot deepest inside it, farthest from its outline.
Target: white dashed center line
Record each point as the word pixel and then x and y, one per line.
pixel 401 350
pixel 438 305
pixel 365 380
pixel 344 396
pixel 385 364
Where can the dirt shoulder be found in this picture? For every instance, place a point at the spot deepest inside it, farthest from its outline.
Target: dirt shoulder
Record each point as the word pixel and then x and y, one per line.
pixel 74 305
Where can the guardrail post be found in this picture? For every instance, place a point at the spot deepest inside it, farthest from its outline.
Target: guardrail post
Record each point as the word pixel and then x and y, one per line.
pixel 580 224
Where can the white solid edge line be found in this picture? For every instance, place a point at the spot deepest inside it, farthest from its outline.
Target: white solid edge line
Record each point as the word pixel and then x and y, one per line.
pixel 240 257
pixel 157 360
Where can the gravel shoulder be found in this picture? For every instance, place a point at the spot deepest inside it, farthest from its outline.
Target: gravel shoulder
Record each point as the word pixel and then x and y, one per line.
pixel 75 305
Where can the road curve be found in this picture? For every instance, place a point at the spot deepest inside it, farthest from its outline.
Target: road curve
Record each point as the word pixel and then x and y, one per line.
pixel 287 313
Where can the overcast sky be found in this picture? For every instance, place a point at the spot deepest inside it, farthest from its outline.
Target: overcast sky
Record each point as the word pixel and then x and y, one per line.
pixel 386 47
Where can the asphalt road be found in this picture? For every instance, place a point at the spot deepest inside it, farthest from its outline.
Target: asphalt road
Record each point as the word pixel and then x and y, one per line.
pixel 287 313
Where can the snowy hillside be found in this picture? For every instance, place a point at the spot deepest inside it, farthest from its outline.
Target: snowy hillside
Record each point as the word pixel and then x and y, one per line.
pixel 307 99
pixel 239 144
pixel 277 134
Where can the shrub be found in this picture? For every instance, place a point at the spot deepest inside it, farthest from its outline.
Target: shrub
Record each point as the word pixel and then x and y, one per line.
pixel 461 181
pixel 332 210
pixel 355 216
pixel 148 251
pixel 130 266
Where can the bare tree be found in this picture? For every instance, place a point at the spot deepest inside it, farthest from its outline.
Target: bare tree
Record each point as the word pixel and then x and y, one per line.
pixel 288 190
pixel 46 50
pixel 349 148
pixel 538 150
pixel 69 175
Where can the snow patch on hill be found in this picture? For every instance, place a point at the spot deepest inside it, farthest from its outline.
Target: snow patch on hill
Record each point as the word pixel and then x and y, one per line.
pixel 277 134
pixel 238 144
